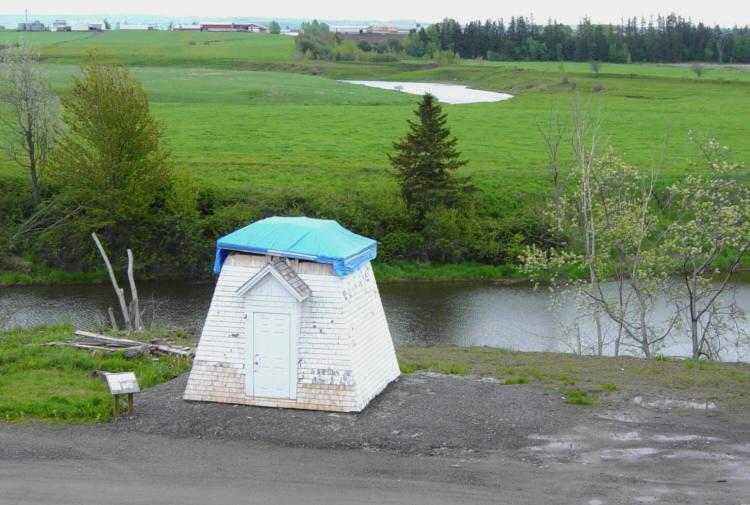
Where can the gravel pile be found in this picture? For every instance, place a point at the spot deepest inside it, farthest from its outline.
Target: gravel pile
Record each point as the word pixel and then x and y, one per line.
pixel 419 413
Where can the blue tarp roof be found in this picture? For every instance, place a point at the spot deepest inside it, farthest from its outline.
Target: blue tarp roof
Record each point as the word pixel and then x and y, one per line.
pixel 318 240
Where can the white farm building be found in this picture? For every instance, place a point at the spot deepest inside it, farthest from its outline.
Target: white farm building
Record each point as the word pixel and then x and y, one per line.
pixel 295 321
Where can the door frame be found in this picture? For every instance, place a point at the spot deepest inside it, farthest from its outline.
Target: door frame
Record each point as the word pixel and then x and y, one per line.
pixel 294 331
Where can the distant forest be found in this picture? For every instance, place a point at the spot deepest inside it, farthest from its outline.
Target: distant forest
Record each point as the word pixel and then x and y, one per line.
pixel 670 39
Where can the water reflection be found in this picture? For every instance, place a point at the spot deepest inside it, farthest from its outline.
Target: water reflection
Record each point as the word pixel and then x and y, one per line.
pixel 447 93
pixel 468 314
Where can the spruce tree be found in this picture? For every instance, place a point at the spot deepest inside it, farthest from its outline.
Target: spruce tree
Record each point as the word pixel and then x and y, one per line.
pixel 425 160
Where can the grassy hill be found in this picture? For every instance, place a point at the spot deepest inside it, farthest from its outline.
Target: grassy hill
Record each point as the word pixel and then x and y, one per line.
pixel 159 47
pixel 253 122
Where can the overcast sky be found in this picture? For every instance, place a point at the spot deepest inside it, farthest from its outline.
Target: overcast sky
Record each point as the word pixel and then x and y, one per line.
pixel 724 12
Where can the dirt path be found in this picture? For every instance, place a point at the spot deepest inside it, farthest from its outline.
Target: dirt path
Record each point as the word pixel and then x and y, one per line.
pixel 430 439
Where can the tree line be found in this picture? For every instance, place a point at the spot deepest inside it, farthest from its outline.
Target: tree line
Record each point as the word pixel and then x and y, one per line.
pixel 664 39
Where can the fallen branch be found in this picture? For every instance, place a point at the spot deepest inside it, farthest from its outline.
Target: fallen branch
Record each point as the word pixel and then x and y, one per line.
pixel 90 347
pixel 107 339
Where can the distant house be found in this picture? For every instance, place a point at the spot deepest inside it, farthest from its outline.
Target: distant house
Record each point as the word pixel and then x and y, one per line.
pixel 34 26
pixel 146 27
pixel 347 29
pixel 230 26
pixel 87 27
pixel 60 25
pixel 187 28
pixel 383 29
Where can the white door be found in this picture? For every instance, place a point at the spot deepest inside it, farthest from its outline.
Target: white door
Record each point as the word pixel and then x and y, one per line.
pixel 271 355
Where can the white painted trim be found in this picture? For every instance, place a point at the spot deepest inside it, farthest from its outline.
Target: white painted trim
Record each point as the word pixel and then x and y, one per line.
pixel 276 252
pixel 265 271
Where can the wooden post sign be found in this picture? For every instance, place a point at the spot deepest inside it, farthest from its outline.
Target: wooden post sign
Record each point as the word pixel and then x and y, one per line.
pixel 119 384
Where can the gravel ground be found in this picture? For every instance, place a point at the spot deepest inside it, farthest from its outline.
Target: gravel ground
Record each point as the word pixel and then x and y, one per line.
pixel 421 412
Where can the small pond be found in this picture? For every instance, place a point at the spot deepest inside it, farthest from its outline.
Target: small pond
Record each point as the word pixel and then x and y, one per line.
pixel 446 93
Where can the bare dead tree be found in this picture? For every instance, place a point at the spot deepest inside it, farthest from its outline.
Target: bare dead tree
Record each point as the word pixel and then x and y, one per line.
pixel 34 116
pixel 553 134
pixel 585 144
pixel 720 42
pixel 46 216
pixel 131 314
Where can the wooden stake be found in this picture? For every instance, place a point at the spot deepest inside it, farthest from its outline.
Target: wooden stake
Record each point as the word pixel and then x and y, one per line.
pixel 136 310
pixel 112 319
pixel 117 405
pixel 130 404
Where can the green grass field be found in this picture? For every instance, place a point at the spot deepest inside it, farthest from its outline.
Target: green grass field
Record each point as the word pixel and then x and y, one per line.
pixel 248 118
pixel 159 48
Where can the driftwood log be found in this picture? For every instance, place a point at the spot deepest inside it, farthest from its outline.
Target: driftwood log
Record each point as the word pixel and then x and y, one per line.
pixel 104 343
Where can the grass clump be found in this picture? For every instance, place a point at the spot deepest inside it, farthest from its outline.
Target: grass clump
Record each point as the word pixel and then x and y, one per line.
pixel 415 366
pixel 449 368
pixel 567 380
pixel 452 369
pixel 608 387
pixel 662 357
pixel 516 379
pixel 578 397
pixel 59 384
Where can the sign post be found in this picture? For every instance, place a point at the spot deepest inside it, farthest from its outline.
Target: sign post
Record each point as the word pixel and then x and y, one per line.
pixel 123 383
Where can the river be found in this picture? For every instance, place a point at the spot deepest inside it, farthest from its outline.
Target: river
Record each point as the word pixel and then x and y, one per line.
pixel 457 313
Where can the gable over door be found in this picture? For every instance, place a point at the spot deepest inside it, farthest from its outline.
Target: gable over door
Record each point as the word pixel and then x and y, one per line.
pixel 271 358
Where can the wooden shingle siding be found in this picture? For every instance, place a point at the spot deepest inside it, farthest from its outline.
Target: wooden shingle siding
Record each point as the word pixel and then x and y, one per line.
pixel 345 355
pixel 373 356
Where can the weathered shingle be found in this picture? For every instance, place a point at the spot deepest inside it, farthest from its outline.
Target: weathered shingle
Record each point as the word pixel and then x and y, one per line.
pixel 290 276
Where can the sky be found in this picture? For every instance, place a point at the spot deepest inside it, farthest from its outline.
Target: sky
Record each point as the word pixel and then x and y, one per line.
pixel 723 12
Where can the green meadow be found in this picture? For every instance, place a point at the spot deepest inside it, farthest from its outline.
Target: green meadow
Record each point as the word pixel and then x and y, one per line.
pixel 61 384
pixel 249 119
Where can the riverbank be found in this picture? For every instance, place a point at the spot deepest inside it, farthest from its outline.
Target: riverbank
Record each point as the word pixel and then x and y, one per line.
pixel 54 384
pixel 384 272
